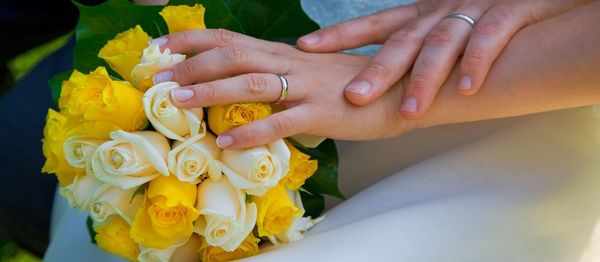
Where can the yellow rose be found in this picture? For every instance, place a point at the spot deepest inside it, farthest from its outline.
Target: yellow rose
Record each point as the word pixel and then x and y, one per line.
pixel 96 97
pixel 301 168
pixel 248 248
pixel 182 17
pixel 124 51
pixel 276 211
pixel 223 118
pixel 169 214
pixel 60 128
pixel 114 238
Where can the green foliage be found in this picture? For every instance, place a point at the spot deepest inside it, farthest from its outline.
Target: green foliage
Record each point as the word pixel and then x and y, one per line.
pixel 313 204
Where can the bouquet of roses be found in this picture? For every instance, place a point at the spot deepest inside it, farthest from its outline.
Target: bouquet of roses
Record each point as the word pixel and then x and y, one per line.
pixel 150 175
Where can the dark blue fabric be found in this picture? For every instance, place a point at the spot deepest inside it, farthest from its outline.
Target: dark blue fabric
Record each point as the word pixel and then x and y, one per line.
pixel 25 194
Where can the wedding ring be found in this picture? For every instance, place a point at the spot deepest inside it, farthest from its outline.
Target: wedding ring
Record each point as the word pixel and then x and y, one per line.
pixel 284 89
pixel 463 17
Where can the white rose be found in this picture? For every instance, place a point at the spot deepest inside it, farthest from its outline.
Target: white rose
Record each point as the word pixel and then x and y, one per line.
pixel 171 121
pixel 256 169
pixel 299 226
pixel 131 159
pixel 187 252
pixel 152 62
pixel 225 217
pixel 79 150
pixel 194 158
pixel 309 140
pixel 108 201
pixel 79 193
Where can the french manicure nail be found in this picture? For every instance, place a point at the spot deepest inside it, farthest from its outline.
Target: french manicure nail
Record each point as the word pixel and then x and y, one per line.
pixel 410 104
pixel 465 83
pixel 361 87
pixel 162 77
pixel 224 141
pixel 181 94
pixel 159 41
pixel 311 39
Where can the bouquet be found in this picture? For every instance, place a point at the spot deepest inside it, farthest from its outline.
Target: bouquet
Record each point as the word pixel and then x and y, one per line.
pixel 150 175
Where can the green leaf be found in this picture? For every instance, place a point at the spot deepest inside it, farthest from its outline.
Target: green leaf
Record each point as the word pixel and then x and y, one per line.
pixel 90 227
pixel 275 20
pixel 325 179
pixel 139 191
pixel 100 23
pixel 313 204
pixel 55 84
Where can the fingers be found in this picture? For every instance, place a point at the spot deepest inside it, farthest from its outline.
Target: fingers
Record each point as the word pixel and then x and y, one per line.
pixel 197 41
pixel 220 63
pixel 389 65
pixel 370 29
pixel 487 41
pixel 439 53
pixel 254 87
pixel 282 124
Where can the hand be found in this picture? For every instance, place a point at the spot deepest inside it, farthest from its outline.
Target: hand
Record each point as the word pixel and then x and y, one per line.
pixel 231 67
pixel 418 34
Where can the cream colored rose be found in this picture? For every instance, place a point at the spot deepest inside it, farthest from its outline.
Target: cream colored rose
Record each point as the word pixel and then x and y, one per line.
pixel 108 201
pixel 299 226
pixel 80 192
pixel 79 150
pixel 185 252
pixel 225 217
pixel 131 159
pixel 166 118
pixel 309 141
pixel 152 62
pixel 157 255
pixel 256 169
pixel 195 158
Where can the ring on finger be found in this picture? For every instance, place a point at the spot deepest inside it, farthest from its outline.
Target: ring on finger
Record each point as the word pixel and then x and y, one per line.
pixel 284 89
pixel 463 17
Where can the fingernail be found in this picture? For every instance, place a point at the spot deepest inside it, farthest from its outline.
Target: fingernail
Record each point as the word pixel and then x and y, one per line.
pixel 311 39
pixel 224 141
pixel 464 83
pixel 162 77
pixel 361 87
pixel 181 94
pixel 409 105
pixel 159 41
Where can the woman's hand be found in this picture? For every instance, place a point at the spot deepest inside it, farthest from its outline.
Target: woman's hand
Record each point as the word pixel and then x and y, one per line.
pixel 420 34
pixel 230 67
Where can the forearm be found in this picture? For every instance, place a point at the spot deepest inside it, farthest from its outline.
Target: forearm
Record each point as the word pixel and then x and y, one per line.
pixel 552 65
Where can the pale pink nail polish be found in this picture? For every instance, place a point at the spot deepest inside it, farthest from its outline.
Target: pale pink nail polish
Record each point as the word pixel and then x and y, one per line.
pixel 465 83
pixel 181 95
pixel 159 41
pixel 410 104
pixel 162 77
pixel 311 39
pixel 224 141
pixel 361 87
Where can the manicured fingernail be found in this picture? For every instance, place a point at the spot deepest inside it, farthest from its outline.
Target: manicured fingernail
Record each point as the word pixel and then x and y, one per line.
pixel 224 141
pixel 311 39
pixel 162 77
pixel 159 41
pixel 409 105
pixel 465 83
pixel 181 94
pixel 361 87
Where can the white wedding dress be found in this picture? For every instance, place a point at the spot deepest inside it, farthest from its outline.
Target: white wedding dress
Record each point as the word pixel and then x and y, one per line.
pixel 518 189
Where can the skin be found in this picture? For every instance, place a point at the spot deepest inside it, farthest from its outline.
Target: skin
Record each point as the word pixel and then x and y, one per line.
pixel 547 66
pixel 420 42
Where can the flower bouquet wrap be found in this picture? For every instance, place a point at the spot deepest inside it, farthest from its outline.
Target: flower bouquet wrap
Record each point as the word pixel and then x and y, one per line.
pixel 150 176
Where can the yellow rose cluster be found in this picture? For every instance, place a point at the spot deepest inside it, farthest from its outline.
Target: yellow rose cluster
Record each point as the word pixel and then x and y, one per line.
pixel 168 192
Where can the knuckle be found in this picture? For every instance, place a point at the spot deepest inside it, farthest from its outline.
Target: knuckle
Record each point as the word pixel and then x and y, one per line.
pixel 280 124
pixel 439 36
pixel 493 23
pixel 235 55
pixel 418 82
pixel 222 37
pixel 374 20
pixel 378 70
pixel 403 36
pixel 184 70
pixel 474 56
pixel 187 37
pixel 256 84
pixel 209 92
